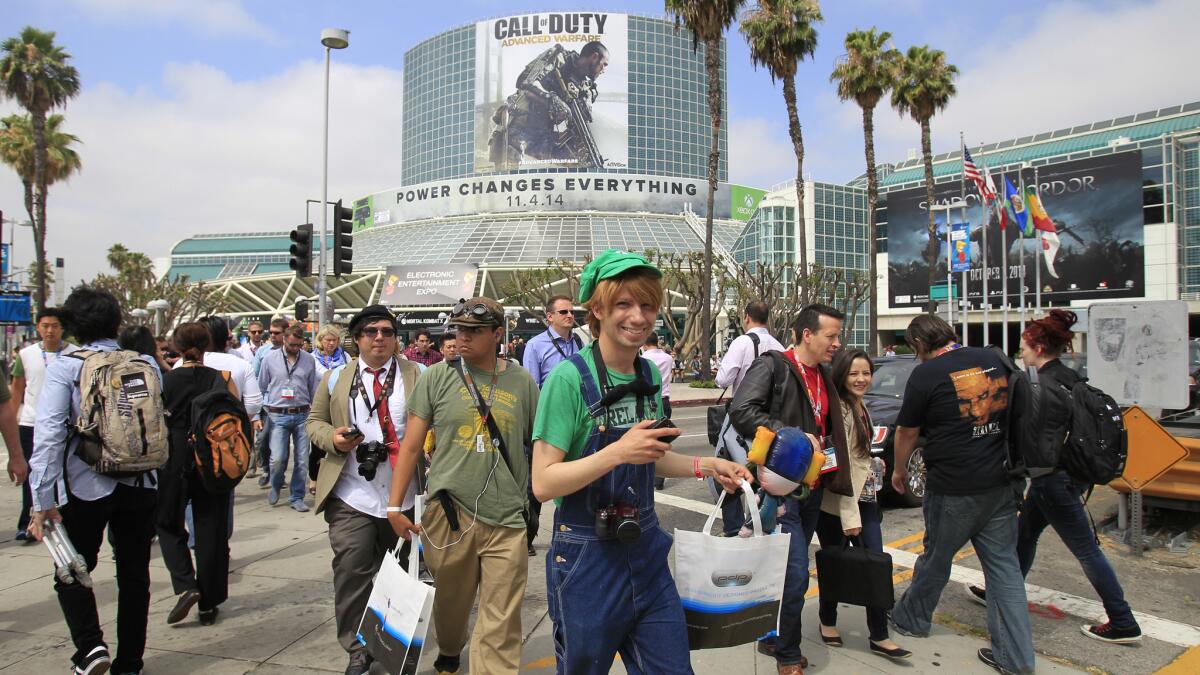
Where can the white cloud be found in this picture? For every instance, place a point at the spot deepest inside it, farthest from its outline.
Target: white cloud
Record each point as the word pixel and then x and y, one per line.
pixel 1071 64
pixel 760 152
pixel 213 155
pixel 216 17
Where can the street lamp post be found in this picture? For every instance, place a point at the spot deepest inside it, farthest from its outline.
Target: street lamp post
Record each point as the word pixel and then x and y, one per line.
pixel 332 38
pixel 158 306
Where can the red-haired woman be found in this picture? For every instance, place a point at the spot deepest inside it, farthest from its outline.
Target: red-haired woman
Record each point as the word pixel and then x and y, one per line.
pixel 1056 499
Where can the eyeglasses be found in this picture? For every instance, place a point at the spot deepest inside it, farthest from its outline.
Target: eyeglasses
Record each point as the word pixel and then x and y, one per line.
pixel 478 310
pixel 563 312
pixel 255 332
pixel 372 331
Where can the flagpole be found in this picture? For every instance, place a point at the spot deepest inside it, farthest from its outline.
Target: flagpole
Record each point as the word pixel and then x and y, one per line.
pixel 1021 251
pixel 962 196
pixel 1004 279
pixel 1037 263
pixel 950 299
pixel 987 271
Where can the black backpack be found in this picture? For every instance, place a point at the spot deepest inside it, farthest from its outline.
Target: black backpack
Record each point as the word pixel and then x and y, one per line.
pixel 1097 444
pixel 221 438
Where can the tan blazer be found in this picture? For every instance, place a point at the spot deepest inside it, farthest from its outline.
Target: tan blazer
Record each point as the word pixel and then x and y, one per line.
pixel 846 508
pixel 330 411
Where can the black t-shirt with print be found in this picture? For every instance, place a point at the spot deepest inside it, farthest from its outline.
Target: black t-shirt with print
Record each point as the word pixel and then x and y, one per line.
pixel 960 402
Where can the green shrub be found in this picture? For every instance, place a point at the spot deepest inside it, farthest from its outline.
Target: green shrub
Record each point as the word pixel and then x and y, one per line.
pixel 703 384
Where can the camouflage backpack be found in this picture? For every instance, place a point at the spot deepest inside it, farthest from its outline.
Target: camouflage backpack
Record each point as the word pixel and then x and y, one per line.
pixel 122 428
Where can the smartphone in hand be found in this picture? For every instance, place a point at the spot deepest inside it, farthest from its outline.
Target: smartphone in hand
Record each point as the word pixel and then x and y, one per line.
pixel 665 423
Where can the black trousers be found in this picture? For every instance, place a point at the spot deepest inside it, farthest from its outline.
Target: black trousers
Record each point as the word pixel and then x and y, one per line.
pixel 128 514
pixel 26 434
pixel 533 514
pixel 210 517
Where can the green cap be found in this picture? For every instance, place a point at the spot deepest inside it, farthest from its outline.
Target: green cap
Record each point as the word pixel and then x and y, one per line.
pixel 607 265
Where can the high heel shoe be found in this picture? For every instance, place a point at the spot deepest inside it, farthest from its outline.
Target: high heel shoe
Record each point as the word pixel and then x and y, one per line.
pixel 830 641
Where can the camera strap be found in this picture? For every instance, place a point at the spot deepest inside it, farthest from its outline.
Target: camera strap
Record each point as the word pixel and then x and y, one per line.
pixel 484 409
pixel 357 386
pixel 641 387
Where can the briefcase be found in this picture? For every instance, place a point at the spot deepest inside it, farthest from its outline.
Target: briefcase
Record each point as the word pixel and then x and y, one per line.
pixel 855 575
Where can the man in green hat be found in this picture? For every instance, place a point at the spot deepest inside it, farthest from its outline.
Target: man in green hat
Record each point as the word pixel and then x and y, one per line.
pixel 594 452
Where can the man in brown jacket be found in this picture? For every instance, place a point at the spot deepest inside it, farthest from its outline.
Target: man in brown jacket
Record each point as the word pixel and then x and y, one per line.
pixel 369 396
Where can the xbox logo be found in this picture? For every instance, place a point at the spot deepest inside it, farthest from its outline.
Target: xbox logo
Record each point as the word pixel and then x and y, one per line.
pixel 748 201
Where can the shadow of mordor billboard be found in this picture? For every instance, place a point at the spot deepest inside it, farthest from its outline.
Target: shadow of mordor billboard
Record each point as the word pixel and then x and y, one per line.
pixel 1095 205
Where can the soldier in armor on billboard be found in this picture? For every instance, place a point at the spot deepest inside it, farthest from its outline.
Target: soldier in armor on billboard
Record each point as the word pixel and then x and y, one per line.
pixel 549 116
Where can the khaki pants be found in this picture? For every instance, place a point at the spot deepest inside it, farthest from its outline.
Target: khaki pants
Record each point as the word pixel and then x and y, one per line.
pixel 492 559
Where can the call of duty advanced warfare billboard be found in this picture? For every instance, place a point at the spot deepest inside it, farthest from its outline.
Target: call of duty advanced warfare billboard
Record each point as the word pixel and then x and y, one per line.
pixel 1096 206
pixel 552 91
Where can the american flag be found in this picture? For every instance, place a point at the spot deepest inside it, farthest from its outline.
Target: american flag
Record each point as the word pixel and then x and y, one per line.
pixel 972 174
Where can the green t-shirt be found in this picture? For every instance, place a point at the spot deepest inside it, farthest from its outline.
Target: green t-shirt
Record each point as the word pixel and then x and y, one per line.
pixel 562 419
pixel 458 466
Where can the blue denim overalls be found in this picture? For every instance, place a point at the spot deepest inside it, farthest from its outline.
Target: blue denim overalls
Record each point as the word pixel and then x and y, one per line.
pixel 606 596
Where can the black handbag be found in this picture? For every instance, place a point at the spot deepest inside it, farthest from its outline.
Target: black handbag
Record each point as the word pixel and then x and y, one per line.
pixel 716 418
pixel 855 575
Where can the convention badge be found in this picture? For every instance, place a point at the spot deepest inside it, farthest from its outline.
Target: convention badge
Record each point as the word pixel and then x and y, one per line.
pixel 479 446
pixel 288 392
pixel 831 463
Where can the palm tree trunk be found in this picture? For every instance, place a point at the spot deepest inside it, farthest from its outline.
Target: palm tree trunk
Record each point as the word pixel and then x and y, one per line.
pixel 872 200
pixel 712 65
pixel 931 249
pixel 789 97
pixel 41 157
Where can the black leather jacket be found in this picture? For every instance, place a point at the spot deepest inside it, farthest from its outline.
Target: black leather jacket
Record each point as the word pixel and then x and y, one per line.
pixel 772 395
pixel 1052 407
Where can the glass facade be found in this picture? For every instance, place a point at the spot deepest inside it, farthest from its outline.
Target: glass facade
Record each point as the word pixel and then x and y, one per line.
pixel 670 129
pixel 1187 212
pixel 839 229
pixel 439 96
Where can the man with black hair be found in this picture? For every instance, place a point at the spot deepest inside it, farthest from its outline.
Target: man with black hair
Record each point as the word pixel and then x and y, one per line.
pixel 777 392
pixel 448 345
pixel 744 349
pixel 958 399
pixel 92 502
pixel 368 395
pixel 27 373
pixel 288 381
pixel 422 350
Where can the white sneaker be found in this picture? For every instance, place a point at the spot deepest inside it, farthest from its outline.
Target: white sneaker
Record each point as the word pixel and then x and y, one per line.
pixel 96 662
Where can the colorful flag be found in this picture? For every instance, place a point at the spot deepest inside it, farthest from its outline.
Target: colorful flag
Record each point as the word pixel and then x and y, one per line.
pixel 1050 246
pixel 1014 207
pixel 1041 220
pixel 971 172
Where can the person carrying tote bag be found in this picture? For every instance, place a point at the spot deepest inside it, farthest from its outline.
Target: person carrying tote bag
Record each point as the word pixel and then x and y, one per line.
pixel 857 518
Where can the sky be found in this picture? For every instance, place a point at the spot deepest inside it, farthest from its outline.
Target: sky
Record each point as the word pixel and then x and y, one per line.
pixel 205 116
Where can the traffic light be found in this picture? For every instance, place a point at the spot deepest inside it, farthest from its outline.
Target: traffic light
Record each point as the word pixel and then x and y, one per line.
pixel 302 310
pixel 343 254
pixel 301 250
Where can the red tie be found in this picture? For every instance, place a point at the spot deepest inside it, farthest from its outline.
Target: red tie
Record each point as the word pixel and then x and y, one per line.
pixel 385 418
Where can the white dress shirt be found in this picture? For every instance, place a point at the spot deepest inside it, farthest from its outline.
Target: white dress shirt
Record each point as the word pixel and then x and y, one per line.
pixel 371 497
pixel 665 364
pixel 741 354
pixel 241 375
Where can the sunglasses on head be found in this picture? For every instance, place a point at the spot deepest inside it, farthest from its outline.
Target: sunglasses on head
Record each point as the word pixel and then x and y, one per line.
pixel 477 310
pixel 372 331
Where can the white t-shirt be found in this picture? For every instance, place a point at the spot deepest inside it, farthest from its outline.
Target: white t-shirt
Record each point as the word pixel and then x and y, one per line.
pixel 665 363
pixel 33 365
pixel 741 354
pixel 241 376
pixel 372 497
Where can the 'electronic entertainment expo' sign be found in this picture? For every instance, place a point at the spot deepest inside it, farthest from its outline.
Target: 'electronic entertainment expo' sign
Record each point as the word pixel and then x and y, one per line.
pixel 533 192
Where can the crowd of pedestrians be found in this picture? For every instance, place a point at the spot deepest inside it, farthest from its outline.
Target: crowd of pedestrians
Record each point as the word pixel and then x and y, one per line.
pixel 488 439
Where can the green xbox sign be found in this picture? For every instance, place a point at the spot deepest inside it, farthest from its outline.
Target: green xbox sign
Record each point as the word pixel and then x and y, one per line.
pixel 743 201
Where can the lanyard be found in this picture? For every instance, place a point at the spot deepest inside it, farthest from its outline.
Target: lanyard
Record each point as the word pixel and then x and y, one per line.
pixel 554 342
pixel 946 349
pixel 485 410
pixel 290 369
pixel 46 361
pixel 358 386
pixel 814 399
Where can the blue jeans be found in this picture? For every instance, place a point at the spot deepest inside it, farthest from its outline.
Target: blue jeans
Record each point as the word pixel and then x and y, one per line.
pixel 283 428
pixel 1055 500
pixel 800 521
pixel 831 532
pixel 989 521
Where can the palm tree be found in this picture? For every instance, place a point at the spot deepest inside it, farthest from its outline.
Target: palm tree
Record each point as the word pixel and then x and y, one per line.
pixel 708 19
pixel 780 34
pixel 17 150
pixel 865 73
pixel 924 86
pixel 34 72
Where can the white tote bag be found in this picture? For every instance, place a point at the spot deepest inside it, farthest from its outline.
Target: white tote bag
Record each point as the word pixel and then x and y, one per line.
pixel 397 617
pixel 731 587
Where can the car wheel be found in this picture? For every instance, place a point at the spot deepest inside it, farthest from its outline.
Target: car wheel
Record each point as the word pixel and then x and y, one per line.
pixel 915 493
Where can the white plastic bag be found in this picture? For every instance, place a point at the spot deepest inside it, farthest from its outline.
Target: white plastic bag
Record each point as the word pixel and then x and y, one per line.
pixel 731 587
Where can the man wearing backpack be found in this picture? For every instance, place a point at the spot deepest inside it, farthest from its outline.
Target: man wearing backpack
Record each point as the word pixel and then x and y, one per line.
pixel 92 501
pixel 288 381
pixel 1057 499
pixel 958 398
pixel 356 505
pixel 742 352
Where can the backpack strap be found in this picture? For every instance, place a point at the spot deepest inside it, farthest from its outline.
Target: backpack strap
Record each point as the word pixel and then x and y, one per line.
pixel 333 376
pixel 754 338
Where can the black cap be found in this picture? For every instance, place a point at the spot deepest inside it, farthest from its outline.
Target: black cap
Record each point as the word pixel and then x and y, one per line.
pixel 369 314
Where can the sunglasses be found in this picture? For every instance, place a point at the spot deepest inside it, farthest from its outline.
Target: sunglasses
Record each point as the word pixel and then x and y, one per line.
pixel 373 331
pixel 478 310
pixel 170 355
pixel 563 312
pixel 254 332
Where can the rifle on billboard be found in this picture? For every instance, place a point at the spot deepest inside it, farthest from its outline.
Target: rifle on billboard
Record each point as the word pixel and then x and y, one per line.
pixel 578 134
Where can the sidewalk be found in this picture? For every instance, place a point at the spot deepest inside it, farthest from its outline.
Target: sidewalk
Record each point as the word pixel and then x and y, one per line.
pixel 279 616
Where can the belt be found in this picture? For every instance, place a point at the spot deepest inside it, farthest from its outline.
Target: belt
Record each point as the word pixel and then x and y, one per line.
pixel 286 411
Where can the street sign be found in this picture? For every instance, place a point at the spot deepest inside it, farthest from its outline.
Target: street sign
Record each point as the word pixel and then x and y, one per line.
pixel 938 292
pixel 1152 450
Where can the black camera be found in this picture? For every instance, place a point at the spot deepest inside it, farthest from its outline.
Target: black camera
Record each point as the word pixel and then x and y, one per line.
pixel 369 455
pixel 619 521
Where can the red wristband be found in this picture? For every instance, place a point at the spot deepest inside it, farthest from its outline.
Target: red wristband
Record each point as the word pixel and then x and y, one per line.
pixel 696 467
